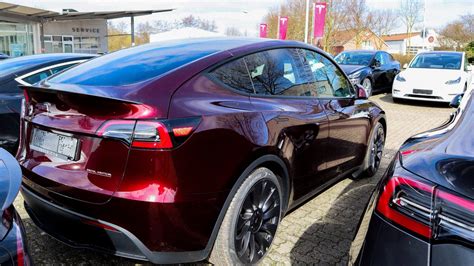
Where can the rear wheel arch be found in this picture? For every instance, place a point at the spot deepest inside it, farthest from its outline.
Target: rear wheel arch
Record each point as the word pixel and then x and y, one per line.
pixel 270 161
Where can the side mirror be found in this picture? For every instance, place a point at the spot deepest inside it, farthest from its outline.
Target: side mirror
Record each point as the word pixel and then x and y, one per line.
pixel 405 66
pixel 456 101
pixel 10 179
pixel 361 93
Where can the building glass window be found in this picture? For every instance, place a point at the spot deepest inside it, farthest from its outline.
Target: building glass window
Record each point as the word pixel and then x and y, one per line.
pixel 16 39
pixel 86 45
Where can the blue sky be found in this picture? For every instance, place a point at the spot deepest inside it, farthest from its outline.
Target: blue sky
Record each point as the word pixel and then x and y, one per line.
pixel 243 14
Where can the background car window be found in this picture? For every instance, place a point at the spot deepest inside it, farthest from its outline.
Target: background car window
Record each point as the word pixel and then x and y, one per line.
pixel 328 80
pixel 37 77
pixel 61 68
pixel 380 58
pixel 386 58
pixel 279 72
pixel 234 75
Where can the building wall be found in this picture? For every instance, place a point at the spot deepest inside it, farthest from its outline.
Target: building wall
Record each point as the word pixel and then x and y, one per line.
pixel 396 47
pixel 88 36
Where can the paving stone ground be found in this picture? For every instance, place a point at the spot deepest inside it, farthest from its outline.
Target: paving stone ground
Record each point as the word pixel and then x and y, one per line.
pixel 319 232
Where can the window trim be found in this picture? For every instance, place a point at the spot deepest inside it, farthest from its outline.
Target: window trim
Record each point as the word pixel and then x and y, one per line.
pixel 22 82
pixel 207 73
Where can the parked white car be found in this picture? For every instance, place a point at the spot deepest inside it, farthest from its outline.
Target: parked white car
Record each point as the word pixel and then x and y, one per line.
pixel 433 76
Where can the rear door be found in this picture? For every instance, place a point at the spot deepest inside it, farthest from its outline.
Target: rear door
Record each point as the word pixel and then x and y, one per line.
pixel 349 123
pixel 297 122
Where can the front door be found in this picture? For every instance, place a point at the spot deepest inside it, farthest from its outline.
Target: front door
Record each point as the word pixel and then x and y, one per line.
pixel 349 123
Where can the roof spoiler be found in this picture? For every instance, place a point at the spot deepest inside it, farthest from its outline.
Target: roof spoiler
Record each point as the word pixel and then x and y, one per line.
pixel 31 88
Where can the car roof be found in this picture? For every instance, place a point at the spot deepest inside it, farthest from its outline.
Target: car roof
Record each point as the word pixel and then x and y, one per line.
pixel 16 66
pixel 362 51
pixel 440 52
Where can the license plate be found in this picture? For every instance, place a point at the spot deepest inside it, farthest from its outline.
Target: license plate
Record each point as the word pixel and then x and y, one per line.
pixel 61 146
pixel 428 92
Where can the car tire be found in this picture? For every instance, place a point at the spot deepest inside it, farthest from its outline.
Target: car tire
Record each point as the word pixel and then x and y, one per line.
pixel 396 100
pixel 251 221
pixel 374 153
pixel 367 84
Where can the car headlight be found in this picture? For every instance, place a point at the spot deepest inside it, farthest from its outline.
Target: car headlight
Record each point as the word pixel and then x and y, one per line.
pixel 400 78
pixel 454 81
pixel 355 75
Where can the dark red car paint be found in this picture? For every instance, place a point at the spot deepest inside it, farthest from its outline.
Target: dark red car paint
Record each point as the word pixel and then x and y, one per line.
pixel 318 142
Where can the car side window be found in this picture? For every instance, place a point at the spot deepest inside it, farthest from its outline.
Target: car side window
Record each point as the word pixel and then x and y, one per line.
pixel 37 77
pixel 387 59
pixel 328 79
pixel 235 75
pixel 380 58
pixel 55 70
pixel 279 72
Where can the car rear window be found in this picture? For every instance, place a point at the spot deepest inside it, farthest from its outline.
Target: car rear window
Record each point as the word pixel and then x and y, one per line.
pixel 133 65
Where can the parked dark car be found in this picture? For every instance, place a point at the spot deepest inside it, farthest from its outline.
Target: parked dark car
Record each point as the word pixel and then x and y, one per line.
pixel 3 56
pixel 13 248
pixel 374 70
pixel 25 70
pixel 187 150
pixel 422 211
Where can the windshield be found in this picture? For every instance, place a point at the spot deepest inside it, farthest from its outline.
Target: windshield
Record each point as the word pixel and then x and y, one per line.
pixel 354 58
pixel 437 61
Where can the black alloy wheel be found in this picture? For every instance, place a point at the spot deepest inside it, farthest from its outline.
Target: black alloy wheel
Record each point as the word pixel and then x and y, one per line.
pixel 257 221
pixel 377 149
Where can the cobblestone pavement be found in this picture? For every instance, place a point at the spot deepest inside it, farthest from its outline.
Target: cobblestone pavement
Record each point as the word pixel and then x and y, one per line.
pixel 319 232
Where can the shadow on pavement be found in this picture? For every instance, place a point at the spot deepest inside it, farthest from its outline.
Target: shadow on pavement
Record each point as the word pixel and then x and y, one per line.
pixel 329 238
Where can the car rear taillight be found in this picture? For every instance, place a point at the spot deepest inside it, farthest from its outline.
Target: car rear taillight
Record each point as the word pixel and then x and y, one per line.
pixel 148 134
pixel 426 209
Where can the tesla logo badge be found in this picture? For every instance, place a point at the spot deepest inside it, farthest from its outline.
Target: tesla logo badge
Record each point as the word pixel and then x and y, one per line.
pixel 263 26
pixel 283 20
pixel 99 173
pixel 320 7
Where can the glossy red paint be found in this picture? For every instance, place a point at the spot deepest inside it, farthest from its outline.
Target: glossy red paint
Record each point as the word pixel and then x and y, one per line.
pixel 170 198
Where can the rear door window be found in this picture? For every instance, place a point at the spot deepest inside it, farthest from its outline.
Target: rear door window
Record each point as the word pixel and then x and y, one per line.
pixel 279 72
pixel 37 77
pixel 235 75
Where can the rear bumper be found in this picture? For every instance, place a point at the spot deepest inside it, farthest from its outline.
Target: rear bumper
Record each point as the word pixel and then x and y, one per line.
pixel 385 244
pixel 99 233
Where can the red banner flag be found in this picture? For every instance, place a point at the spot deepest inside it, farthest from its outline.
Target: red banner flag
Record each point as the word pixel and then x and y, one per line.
pixel 319 16
pixel 283 28
pixel 263 30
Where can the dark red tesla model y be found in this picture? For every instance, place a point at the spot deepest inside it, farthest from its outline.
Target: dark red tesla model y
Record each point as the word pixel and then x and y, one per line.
pixel 190 150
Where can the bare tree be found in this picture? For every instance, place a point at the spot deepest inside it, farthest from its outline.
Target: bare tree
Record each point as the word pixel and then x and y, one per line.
pixel 359 19
pixel 384 21
pixel 233 31
pixel 410 14
pixel 196 22
pixel 457 34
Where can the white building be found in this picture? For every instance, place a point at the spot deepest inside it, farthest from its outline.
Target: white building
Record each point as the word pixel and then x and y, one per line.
pixel 27 30
pixel 403 43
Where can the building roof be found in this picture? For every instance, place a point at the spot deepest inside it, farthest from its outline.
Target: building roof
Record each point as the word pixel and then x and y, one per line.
pixel 345 36
pixel 37 14
pixel 183 33
pixel 399 36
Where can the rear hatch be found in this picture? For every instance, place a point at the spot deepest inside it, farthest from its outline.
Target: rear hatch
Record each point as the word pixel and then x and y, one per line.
pixel 61 151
